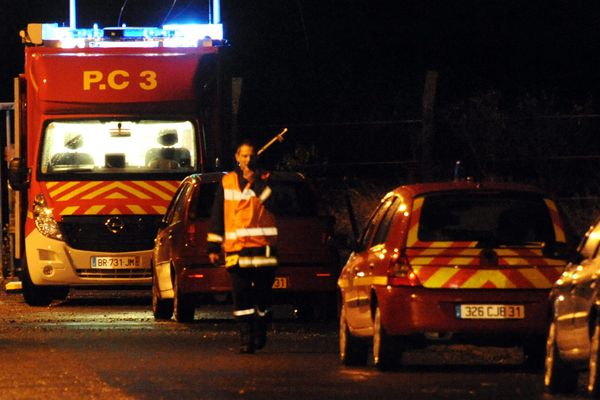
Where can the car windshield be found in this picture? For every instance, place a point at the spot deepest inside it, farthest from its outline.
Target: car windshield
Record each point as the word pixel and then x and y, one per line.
pixel 118 146
pixel 488 218
pixel 290 199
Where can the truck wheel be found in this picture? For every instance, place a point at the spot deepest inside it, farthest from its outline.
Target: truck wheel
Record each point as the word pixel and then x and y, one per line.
pixel 60 292
pixel 34 295
pixel 353 351
pixel 386 349
pixel 183 304
pixel 161 308
pixel 593 386
pixel 558 376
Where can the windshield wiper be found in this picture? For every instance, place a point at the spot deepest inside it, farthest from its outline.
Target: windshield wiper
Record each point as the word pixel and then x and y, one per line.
pixel 492 242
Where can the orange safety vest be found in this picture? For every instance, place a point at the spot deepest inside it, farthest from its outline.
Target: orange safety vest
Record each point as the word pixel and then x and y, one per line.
pixel 247 222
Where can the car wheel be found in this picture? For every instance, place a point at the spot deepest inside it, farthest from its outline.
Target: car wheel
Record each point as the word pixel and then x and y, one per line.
pixel 594 375
pixel 353 351
pixel 386 352
pixel 60 292
pixel 33 294
pixel 558 376
pixel 161 308
pixel 183 304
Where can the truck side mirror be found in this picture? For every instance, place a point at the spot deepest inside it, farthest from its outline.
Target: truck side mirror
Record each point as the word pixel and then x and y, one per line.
pixel 18 174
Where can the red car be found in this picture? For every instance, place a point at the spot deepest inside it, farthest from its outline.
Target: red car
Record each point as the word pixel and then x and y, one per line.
pixel 184 278
pixel 460 261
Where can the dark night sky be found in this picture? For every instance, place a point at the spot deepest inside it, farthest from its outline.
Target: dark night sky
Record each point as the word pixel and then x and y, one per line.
pixel 300 57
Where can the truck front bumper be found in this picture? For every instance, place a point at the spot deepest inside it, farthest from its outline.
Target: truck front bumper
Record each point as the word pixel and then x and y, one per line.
pixel 52 262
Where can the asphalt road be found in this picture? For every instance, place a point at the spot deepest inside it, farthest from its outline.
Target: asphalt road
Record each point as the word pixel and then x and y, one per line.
pixel 104 345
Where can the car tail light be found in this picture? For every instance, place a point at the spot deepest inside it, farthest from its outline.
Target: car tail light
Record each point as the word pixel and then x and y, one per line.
pixel 400 272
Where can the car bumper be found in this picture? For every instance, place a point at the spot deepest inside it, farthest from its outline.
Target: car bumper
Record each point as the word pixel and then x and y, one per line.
pixel 408 311
pixel 209 279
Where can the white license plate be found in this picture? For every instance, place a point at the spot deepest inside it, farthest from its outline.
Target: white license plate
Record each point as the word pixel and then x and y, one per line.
pixel 281 282
pixel 115 262
pixel 490 311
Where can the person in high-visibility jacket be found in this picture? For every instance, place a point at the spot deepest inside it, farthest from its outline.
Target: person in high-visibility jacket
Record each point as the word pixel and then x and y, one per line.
pixel 242 226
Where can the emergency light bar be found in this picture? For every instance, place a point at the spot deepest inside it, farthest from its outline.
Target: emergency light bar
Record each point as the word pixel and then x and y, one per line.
pixel 173 35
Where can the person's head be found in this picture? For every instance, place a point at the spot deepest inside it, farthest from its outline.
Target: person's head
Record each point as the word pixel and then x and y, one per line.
pixel 245 154
pixel 167 137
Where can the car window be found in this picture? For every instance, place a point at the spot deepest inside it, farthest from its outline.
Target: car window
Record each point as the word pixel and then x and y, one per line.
pixel 590 245
pixel 373 223
pixel 202 201
pixel 386 222
pixel 173 205
pixel 499 218
pixel 289 199
pixel 292 199
pixel 179 208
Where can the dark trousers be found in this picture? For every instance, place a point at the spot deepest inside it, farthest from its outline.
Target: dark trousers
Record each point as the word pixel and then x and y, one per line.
pixel 251 290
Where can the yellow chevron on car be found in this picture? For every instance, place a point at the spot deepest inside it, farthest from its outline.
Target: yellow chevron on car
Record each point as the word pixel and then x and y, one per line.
pixel 475 278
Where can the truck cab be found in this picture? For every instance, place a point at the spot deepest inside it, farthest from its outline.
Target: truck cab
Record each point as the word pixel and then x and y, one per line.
pixel 107 123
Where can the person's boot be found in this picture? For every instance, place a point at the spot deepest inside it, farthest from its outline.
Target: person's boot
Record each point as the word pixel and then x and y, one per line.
pixel 261 321
pixel 246 337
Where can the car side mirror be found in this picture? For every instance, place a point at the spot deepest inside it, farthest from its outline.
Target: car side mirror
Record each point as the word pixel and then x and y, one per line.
pixel 18 174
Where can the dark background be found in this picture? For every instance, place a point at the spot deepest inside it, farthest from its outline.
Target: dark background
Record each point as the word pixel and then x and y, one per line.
pixel 301 58
pixel 516 95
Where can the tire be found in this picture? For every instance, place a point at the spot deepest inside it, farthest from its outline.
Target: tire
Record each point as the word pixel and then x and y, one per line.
pixel 558 376
pixel 593 385
pixel 386 350
pixel 353 351
pixel 60 292
pixel 161 308
pixel 183 304
pixel 35 295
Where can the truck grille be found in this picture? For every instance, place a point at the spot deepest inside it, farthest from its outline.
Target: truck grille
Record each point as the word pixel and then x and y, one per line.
pixel 114 273
pixel 93 233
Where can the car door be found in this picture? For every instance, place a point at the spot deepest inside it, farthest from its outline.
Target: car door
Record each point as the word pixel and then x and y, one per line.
pixel 378 258
pixel 163 249
pixel 584 290
pixel 360 268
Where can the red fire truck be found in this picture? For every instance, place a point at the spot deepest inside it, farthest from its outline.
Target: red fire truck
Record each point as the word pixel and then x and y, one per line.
pixel 107 122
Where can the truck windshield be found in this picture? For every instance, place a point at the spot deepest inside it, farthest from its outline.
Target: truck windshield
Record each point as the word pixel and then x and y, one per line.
pixel 118 146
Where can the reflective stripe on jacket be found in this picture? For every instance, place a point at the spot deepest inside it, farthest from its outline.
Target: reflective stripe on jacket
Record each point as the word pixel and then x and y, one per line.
pixel 247 222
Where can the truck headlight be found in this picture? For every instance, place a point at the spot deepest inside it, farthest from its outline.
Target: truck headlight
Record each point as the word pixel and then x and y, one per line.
pixel 44 218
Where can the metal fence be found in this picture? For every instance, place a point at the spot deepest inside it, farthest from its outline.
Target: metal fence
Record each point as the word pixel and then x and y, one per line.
pixel 560 154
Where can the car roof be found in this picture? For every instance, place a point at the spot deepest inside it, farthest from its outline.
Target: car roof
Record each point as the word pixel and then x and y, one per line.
pixel 419 189
pixel 275 175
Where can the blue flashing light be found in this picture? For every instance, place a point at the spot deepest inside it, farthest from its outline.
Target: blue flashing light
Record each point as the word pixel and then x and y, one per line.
pixel 172 35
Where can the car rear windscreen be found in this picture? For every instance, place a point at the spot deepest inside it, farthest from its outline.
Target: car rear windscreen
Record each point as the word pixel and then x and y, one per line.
pixel 289 199
pixel 488 218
